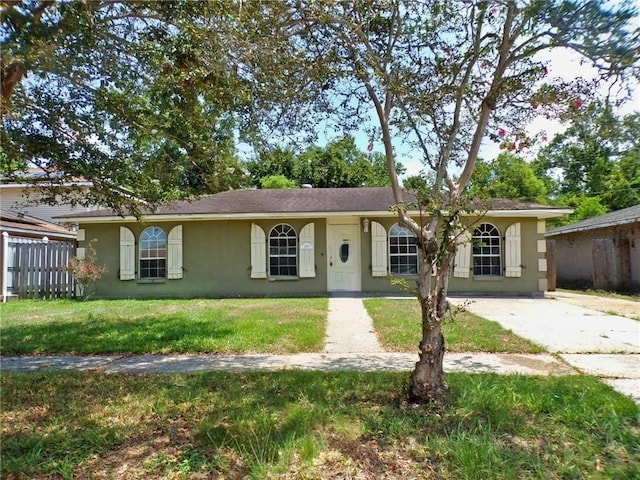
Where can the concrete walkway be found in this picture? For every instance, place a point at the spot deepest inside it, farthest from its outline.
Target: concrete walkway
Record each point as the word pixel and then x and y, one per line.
pixel 572 333
pixel 349 328
pixel 365 362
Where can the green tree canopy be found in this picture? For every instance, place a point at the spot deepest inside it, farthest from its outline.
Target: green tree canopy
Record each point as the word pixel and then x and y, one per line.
pixel 507 176
pixel 596 158
pixel 137 97
pixel 337 164
pixel 277 181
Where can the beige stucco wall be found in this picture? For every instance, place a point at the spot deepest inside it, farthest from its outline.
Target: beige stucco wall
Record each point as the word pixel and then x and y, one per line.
pixel 529 283
pixel 217 262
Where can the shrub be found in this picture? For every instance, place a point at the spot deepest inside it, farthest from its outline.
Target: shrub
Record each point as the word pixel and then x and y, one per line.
pixel 86 271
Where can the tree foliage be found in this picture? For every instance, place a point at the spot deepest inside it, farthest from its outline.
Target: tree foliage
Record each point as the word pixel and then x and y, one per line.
pixel 435 76
pixel 507 176
pixel 137 97
pixel 338 164
pixel 277 181
pixel 596 160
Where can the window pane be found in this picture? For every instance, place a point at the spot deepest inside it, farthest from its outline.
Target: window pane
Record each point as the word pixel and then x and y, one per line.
pixel 153 253
pixel 344 252
pixel 283 251
pixel 487 256
pixel 403 252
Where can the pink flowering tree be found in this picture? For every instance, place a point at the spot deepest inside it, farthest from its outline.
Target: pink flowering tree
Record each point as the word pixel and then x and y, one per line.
pixel 86 271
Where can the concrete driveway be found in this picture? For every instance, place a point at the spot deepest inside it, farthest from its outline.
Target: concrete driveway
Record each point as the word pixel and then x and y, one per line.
pixel 558 326
pixel 594 342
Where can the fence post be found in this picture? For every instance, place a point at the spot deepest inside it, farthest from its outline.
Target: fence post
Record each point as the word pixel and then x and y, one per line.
pixel 46 260
pixel 5 266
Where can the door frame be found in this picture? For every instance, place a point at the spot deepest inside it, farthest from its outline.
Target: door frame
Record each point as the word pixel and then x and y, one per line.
pixel 343 221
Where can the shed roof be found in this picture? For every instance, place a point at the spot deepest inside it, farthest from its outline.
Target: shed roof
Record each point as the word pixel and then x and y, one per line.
pixel 20 225
pixel 611 219
pixel 307 201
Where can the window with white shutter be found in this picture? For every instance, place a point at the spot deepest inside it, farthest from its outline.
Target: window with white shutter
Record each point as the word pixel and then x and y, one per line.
pixel 307 251
pixel 403 251
pixel 378 250
pixel 258 252
pixel 283 251
pixel 153 254
pixel 127 254
pixel 487 255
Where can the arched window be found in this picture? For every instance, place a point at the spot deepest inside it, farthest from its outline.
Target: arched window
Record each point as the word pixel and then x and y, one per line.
pixel 486 251
pixel 403 251
pixel 153 253
pixel 283 251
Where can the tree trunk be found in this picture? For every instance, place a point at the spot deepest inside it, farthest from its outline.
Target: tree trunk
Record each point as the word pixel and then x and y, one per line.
pixel 427 379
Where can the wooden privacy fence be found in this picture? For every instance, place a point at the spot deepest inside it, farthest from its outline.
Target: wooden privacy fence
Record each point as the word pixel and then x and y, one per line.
pixel 611 264
pixel 36 268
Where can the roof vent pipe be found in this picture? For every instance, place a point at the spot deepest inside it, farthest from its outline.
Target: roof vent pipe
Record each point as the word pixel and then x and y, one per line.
pixel 306 185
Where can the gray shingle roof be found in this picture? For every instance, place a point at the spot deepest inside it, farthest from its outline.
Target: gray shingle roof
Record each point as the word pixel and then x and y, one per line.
pixel 619 217
pixel 302 200
pixel 18 224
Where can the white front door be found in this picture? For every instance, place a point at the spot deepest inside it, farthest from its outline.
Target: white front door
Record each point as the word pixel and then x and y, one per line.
pixel 343 257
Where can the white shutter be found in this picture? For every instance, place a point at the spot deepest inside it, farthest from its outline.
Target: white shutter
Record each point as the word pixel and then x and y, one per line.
pixel 307 251
pixel 462 265
pixel 512 247
pixel 378 250
pixel 258 252
pixel 174 253
pixel 127 254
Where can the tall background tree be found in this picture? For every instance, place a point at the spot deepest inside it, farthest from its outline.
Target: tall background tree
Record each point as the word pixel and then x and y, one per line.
pixel 136 97
pixel 507 176
pixel 337 164
pixel 437 76
pixel 594 165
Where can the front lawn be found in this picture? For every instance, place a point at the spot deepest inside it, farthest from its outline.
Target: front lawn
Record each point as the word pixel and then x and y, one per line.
pixel 265 325
pixel 313 425
pixel 398 325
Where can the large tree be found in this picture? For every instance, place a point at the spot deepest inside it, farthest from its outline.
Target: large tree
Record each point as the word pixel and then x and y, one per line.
pixel 507 176
pixel 136 97
pixel 595 160
pixel 339 164
pixel 438 76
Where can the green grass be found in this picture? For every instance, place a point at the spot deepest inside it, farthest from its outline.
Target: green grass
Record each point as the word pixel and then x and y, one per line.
pixel 163 326
pixel 314 425
pixel 632 297
pixel 398 324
